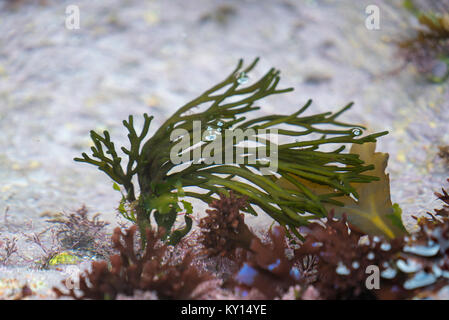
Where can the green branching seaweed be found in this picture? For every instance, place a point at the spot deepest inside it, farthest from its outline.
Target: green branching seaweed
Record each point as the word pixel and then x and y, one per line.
pixel 217 114
pixel 108 160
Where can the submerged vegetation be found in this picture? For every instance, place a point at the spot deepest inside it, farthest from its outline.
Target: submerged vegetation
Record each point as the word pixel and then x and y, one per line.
pixel 373 212
pixel 325 260
pixel 334 212
pixel 164 186
pixel 301 210
pixel 334 262
pixel 340 256
pixel 224 229
pixel 151 269
pixel 76 231
pixel 428 50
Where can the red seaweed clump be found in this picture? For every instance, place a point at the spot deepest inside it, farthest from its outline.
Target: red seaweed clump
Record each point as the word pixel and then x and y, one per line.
pixel 223 230
pixel 149 270
pixel 343 255
pixel 267 268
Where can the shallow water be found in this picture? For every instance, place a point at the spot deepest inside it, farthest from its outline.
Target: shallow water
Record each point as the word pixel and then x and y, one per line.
pixel 133 56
